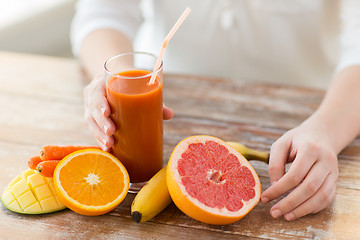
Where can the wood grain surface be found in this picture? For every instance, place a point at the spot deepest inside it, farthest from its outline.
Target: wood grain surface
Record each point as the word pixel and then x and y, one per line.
pixel 41 103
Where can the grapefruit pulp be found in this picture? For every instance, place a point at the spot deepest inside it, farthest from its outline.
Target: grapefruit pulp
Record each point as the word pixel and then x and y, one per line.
pixel 210 181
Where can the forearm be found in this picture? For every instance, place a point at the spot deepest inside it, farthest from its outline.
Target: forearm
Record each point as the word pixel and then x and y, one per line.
pixel 339 113
pixel 99 46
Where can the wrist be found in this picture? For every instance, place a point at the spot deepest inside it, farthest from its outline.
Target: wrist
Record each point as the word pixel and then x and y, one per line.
pixel 332 129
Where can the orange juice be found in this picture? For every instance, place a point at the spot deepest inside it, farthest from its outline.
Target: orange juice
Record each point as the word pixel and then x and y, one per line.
pixel 137 113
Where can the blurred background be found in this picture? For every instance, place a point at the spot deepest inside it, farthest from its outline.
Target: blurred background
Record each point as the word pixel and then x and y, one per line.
pixel 36 26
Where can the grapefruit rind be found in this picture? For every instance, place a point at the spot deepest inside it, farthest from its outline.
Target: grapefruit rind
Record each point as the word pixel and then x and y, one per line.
pixel 79 207
pixel 192 206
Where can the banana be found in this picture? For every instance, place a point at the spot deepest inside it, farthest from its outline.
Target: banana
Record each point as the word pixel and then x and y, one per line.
pixel 154 196
pixel 250 154
pixel 151 199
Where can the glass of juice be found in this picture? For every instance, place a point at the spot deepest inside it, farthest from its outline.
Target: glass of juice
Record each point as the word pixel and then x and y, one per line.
pixel 136 110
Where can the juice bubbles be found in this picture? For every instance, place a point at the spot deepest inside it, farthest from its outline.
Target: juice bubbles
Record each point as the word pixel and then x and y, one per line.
pixel 137 113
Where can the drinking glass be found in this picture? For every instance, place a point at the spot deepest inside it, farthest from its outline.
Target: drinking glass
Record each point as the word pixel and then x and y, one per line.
pixel 136 109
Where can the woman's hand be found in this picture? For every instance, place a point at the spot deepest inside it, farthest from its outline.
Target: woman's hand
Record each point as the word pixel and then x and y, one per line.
pixel 97 112
pixel 311 179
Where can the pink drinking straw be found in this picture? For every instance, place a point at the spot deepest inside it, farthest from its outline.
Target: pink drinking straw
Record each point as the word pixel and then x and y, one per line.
pixel 166 41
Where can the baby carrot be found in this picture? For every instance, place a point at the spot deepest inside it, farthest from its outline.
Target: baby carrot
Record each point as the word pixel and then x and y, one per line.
pixel 54 152
pixel 34 161
pixel 46 168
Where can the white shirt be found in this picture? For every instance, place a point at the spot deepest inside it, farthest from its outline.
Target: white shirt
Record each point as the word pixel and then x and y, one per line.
pixel 299 42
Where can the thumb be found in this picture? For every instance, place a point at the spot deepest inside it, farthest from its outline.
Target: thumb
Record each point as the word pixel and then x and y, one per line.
pixel 167 113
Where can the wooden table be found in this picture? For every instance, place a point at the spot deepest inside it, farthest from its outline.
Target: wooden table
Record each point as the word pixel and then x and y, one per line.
pixel 41 103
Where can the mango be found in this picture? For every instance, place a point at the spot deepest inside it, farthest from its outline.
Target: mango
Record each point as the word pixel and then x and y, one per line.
pixel 31 193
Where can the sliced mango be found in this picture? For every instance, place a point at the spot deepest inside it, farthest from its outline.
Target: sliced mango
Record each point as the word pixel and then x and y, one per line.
pixel 31 193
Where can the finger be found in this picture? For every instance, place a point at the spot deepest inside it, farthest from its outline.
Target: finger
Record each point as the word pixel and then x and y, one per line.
pixel 318 201
pixel 105 109
pixel 104 123
pixel 102 146
pixel 167 113
pixel 96 92
pixel 96 103
pixel 101 137
pixel 311 184
pixel 297 172
pixel 278 157
pixel 100 110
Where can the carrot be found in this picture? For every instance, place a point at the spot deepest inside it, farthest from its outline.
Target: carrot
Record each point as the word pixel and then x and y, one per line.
pixel 46 168
pixel 34 161
pixel 54 152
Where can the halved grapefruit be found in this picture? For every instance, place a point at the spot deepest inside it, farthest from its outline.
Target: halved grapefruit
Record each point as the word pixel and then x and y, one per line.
pixel 210 181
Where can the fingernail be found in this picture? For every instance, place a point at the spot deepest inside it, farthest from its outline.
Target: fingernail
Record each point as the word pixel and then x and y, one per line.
pixel 276 213
pixel 104 141
pixel 106 128
pixel 103 110
pixel 101 145
pixel 289 216
pixel 264 200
